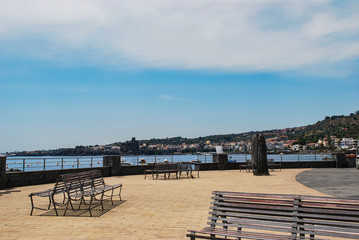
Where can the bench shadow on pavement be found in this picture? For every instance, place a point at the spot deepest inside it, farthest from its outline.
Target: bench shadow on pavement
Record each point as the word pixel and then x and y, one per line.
pixel 83 211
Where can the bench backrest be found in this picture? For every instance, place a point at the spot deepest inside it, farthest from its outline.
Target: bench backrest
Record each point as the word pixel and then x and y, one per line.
pixel 59 185
pixel 82 181
pixel 166 166
pixel 306 217
pixel 185 166
pixel 322 216
pixel 235 211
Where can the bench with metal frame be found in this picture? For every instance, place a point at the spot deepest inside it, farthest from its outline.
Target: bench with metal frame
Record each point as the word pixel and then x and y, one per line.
pixel 167 168
pixel 75 187
pixel 87 184
pixel 237 215
pixel 327 217
pixel 59 188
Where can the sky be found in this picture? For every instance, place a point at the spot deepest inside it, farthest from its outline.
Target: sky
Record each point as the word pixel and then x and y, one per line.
pixel 90 72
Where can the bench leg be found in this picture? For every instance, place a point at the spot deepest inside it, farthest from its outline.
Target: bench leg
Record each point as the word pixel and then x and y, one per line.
pixel 90 206
pixel 103 192
pixel 32 205
pixel 119 194
pixel 81 200
pixel 49 203
pixel 53 202
pixel 112 195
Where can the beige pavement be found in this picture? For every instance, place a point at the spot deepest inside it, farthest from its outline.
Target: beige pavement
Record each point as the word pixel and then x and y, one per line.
pixel 154 209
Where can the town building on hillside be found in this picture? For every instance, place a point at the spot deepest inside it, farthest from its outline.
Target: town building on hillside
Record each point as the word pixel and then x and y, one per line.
pixel 346 143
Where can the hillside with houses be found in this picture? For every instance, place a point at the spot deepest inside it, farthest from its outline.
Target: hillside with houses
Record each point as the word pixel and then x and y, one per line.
pixel 335 133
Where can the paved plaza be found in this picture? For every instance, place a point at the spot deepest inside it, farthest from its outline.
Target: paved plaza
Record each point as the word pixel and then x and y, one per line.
pixel 153 209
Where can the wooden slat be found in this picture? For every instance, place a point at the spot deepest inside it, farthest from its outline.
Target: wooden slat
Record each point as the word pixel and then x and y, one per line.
pixel 255 195
pixel 244 234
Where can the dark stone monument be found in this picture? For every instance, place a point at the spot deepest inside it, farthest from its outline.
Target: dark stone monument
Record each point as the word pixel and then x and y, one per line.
pixel 2 172
pixel 222 160
pixel 114 162
pixel 259 155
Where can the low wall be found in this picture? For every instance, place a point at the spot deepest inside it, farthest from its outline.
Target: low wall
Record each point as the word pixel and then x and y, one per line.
pixel 134 170
pixel 239 165
pixel 16 179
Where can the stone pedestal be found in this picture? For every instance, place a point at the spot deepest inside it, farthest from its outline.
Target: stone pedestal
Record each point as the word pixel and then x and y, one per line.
pixel 259 155
pixel 2 172
pixel 114 162
pixel 222 160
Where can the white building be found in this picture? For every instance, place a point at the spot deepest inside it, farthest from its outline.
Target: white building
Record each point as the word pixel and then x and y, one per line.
pixel 346 143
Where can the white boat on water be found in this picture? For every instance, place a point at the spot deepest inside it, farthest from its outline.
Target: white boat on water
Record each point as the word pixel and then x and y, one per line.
pixel 124 163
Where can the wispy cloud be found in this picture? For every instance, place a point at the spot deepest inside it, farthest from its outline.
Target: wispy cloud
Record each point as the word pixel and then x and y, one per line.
pixel 233 35
pixel 168 97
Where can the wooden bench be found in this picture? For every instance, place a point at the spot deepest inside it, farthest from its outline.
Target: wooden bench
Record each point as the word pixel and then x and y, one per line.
pixel 185 167
pixel 328 217
pixel 89 184
pixel 271 165
pixel 163 168
pixel 240 215
pixel 167 168
pixel 236 215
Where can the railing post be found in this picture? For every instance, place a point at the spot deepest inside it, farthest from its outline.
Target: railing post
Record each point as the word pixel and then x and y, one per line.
pixel 23 165
pixel 114 162
pixel 92 162
pixel 78 162
pixel 155 159
pixel 44 164
pixel 315 157
pixel 298 157
pixel 2 172
pixel 62 163
pixel 172 158
pixel 137 160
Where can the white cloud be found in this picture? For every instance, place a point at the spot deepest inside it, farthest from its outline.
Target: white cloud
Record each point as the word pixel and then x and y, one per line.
pixel 204 34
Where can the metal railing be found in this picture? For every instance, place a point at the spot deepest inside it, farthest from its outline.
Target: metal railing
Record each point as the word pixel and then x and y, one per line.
pixel 57 163
pixel 52 163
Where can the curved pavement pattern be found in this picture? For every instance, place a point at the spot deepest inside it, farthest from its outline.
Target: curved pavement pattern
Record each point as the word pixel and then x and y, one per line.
pixel 338 182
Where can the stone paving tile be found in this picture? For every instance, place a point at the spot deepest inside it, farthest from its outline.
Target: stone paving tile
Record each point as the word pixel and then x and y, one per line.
pixel 154 209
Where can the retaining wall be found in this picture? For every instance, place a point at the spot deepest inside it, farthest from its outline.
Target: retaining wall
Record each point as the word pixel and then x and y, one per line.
pixel 16 179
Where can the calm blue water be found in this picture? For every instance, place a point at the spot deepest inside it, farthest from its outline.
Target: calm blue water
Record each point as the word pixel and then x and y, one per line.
pixel 53 163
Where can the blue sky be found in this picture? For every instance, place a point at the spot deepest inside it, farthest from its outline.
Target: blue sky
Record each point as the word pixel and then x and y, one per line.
pixel 96 72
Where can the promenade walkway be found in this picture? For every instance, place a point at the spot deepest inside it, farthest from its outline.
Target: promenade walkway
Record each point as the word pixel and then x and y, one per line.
pixel 154 209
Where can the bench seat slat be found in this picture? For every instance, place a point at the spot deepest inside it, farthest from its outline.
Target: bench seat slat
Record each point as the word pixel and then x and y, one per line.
pixel 246 225
pixel 254 216
pixel 246 221
pixel 228 209
pixel 329 228
pixel 330 205
pixel 330 234
pixel 327 223
pixel 327 217
pixel 256 195
pixel 254 200
pixel 244 234
pixel 254 206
